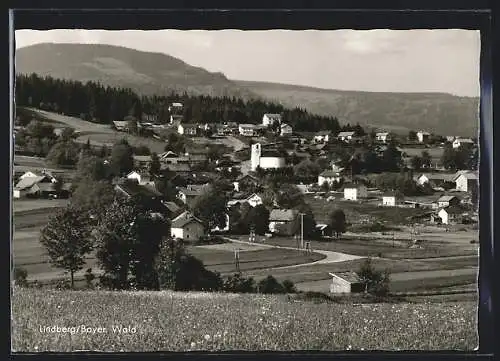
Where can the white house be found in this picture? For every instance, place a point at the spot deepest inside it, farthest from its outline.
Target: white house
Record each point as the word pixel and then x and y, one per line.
pixel 466 182
pixel 460 142
pixel 345 136
pixel 265 159
pixel 269 119
pixel 247 130
pixel 423 136
pixel 450 138
pixel 383 137
pixel 450 214
pixel 345 282
pixel 390 199
pixel 329 176
pixel 322 137
pixel 141 177
pixel 434 178
pixel 187 129
pixel 187 227
pixel 245 179
pixel 285 129
pixel 176 118
pixel 354 192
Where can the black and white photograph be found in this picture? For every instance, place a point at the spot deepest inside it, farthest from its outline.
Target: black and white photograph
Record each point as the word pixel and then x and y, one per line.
pixel 245 190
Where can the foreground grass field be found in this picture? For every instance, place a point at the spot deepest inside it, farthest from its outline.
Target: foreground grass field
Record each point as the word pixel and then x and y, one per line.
pixel 201 321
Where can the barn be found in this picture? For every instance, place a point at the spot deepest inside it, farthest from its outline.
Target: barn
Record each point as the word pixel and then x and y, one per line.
pixel 345 282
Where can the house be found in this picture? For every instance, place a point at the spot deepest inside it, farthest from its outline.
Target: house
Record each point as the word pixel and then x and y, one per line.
pixel 390 199
pixel 187 227
pixel 346 282
pixel 329 176
pixel 446 201
pixel 284 221
pixel 151 197
pixel 121 125
pixel 324 230
pixel 175 107
pixel 423 136
pixel 466 182
pixel 187 129
pixel 173 208
pixel 247 130
pixel 265 159
pixel 188 194
pixel 285 129
pixel 450 215
pixel 323 136
pixel 435 179
pixel 176 119
pixel 142 161
pixel 245 181
pixel 24 187
pixel 253 200
pixel 450 138
pixel 176 167
pixel 462 142
pixel 345 136
pixel 383 137
pixel 141 177
pixel 271 119
pixel 354 192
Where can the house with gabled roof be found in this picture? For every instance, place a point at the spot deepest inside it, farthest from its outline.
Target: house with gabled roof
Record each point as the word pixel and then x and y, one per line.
pixel 189 129
pixel 285 129
pixel 187 227
pixel 142 177
pixel 346 282
pixel 383 137
pixel 269 119
pixel 329 176
pixel 467 181
pixel 423 136
pixel 354 192
pixel 252 199
pixel 345 136
pixel 451 214
pixel 322 136
pixel 462 142
pixel 284 221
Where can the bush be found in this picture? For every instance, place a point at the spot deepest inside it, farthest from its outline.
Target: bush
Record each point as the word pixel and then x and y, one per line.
pixel 21 277
pixel 239 284
pixel 375 282
pixel 316 297
pixel 89 277
pixel 270 285
pixel 289 286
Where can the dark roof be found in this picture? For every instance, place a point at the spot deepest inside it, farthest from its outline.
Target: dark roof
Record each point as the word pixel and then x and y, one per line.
pixel 446 198
pixel 179 167
pixel 324 132
pixel 329 173
pixel 350 277
pixel 390 194
pixel 454 210
pixel 172 206
pixel 241 177
pixel 135 189
pixel 352 185
pixel 183 219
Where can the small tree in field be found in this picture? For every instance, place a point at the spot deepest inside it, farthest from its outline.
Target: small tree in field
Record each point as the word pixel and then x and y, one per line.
pixel 375 282
pixel 337 222
pixel 67 239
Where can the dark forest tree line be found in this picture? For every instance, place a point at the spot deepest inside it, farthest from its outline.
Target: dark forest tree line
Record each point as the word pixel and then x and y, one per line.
pixel 104 104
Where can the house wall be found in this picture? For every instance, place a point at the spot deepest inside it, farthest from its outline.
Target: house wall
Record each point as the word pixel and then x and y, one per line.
pixel 254 201
pixel 461 184
pixel 351 194
pixel 271 162
pixel 191 231
pixel 388 201
pixel 329 180
pixel 444 217
pixel 339 286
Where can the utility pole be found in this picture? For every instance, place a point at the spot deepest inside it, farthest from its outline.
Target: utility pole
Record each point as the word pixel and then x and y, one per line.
pixel 302 230
pixel 237 259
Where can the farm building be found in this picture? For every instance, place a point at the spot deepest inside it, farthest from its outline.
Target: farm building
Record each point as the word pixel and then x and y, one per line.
pixel 323 136
pixel 446 201
pixel 188 129
pixel 345 282
pixel 383 137
pixel 462 142
pixel 434 179
pixel 187 227
pixel 284 221
pixel 285 129
pixel 345 136
pixel 265 159
pixel 24 187
pixel 423 136
pixel 253 200
pixel 449 215
pixel 270 119
pixel 329 177
pixel 390 199
pixel 121 125
pixel 466 182
pixel 189 193
pixel 354 192
pixel 140 176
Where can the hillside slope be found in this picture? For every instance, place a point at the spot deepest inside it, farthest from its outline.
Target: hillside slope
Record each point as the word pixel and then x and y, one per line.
pixel 438 112
pixel 155 73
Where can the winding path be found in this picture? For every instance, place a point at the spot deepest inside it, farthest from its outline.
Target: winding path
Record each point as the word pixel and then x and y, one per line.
pixel 330 256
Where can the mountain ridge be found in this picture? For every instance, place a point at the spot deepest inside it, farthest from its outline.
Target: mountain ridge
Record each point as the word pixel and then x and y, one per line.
pixel 156 73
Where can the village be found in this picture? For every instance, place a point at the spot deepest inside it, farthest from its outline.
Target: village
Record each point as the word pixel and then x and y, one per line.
pixel 251 160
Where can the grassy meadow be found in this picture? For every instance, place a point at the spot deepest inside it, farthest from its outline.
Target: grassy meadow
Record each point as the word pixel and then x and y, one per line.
pixel 168 321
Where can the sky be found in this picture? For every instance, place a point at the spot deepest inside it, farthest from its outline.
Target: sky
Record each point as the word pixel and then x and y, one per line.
pixel 379 60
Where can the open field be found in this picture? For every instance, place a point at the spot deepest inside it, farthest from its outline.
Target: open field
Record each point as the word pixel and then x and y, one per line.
pixel 98 134
pixel 169 321
pixel 435 152
pixel 26 205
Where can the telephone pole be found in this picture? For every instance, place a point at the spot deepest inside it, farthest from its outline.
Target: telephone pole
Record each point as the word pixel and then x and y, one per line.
pixel 302 230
